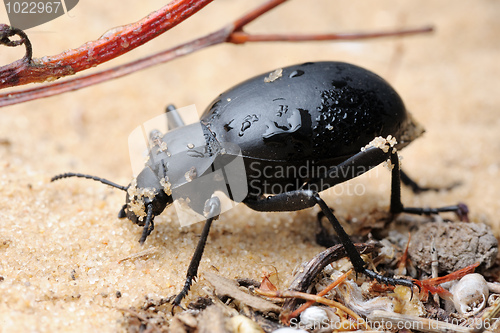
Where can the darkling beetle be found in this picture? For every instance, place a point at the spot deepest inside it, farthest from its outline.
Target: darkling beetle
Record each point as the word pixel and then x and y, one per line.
pixel 323 116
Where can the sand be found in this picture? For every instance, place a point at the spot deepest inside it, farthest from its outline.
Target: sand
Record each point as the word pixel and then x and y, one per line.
pixel 61 243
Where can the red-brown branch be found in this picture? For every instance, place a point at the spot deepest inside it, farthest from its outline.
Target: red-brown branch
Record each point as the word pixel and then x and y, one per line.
pixel 239 37
pixel 121 40
pixel 56 88
pixel 257 12
pixel 111 45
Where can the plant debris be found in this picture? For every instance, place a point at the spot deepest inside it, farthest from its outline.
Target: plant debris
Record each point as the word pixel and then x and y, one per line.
pixel 230 288
pixel 343 301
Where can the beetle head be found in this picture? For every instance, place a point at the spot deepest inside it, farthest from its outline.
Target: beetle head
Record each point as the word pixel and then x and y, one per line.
pixel 147 197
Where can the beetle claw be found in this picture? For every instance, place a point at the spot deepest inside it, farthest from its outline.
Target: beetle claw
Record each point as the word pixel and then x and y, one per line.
pixel 174 306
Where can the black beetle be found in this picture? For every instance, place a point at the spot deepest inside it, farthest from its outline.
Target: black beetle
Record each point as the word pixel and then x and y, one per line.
pixel 334 120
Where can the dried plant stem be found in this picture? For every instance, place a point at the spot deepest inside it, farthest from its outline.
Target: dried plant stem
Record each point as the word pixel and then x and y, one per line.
pixel 313 298
pixel 321 294
pixel 110 45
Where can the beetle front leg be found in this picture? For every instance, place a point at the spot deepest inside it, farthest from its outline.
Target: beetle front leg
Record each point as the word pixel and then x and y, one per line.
pixel 148 224
pixel 212 206
pixel 122 213
pixel 416 188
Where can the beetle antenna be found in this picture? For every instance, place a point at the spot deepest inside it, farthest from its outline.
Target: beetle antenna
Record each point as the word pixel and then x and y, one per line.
pixel 80 175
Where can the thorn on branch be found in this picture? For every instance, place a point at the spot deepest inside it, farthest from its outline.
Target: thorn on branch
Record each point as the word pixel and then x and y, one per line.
pixel 7 31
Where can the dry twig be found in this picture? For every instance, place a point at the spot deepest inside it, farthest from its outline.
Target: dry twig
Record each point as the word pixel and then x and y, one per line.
pixel 322 293
pixel 313 298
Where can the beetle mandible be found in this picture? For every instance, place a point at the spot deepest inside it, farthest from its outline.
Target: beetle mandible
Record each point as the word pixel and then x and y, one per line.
pixel 334 119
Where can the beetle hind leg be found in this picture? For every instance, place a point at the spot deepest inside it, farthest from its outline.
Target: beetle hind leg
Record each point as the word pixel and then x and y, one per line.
pixel 397 207
pixel 461 210
pixel 416 188
pixel 323 237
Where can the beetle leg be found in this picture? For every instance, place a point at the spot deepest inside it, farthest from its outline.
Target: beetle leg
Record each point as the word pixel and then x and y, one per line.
pixel 122 214
pixel 323 237
pixel 302 199
pixel 397 207
pixel 357 262
pixel 283 202
pixel 406 180
pixel 212 206
pixel 148 225
pixel 174 119
pixel 351 168
pixel 460 209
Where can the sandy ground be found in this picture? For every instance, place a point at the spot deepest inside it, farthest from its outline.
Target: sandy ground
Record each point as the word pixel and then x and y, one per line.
pixel 60 243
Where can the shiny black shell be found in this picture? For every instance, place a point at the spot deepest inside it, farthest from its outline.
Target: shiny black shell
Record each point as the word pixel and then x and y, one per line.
pixel 319 113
